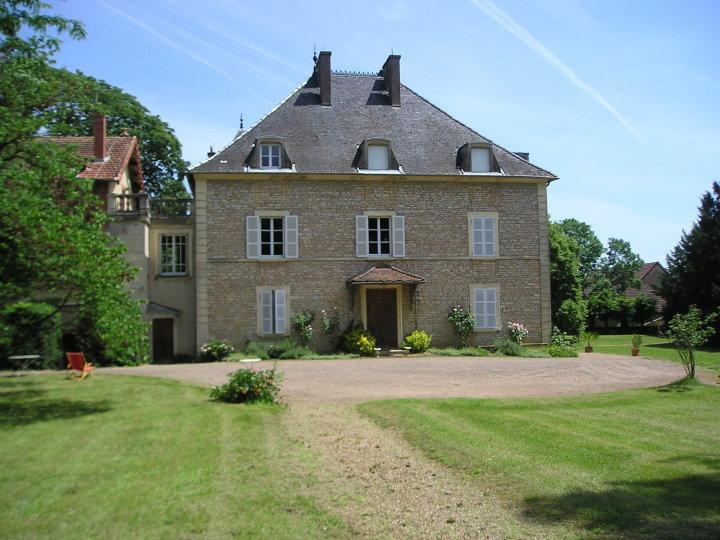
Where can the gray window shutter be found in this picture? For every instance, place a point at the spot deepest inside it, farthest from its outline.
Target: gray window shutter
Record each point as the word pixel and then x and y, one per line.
pixel 477 237
pixel 252 237
pixel 479 308
pixel 361 236
pixel 291 237
pixel 489 237
pixel 490 308
pixel 398 224
pixel 280 315
pixel 266 312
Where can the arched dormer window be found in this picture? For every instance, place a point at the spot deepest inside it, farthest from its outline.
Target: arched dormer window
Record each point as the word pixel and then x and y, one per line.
pixel 376 156
pixel 477 158
pixel 269 154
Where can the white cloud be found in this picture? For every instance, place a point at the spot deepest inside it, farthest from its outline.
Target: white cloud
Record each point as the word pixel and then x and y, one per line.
pixel 509 24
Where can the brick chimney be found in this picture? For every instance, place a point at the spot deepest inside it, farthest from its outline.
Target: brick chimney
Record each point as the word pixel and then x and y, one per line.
pixel 322 71
pixel 99 137
pixel 391 74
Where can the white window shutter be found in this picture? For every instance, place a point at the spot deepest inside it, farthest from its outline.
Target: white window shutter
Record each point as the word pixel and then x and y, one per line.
pixel 280 315
pixel 266 313
pixel 480 159
pixel 479 308
pixel 477 237
pixel 398 224
pixel 291 237
pixel 252 237
pixel 361 236
pixel 378 157
pixel 490 308
pixel 489 237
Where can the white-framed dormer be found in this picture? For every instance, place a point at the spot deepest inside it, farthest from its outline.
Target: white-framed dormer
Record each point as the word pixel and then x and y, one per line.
pixel 478 159
pixel 380 234
pixel 376 156
pixel 269 155
pixel 483 241
pixel 271 235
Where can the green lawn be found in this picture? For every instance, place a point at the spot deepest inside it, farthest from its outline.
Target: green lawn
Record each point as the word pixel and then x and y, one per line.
pixel 654 347
pixel 638 463
pixel 121 457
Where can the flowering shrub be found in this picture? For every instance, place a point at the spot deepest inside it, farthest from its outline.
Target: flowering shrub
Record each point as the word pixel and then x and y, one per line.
pixel 418 341
pixel 301 323
pixel 561 344
pixel 330 322
pixel 517 332
pixel 248 386
pixel 216 350
pixel 359 341
pixel 463 322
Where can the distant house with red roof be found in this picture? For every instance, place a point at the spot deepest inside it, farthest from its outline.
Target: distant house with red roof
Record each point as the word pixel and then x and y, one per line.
pixel 649 275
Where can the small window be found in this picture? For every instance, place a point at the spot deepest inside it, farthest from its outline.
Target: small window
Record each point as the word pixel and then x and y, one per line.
pixel 483 235
pixel 485 308
pixel 272 312
pixel 378 158
pixel 379 235
pixel 173 254
pixel 480 160
pixel 270 156
pixel 272 237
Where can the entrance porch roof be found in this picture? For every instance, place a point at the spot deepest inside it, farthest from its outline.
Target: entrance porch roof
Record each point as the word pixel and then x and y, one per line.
pixel 385 275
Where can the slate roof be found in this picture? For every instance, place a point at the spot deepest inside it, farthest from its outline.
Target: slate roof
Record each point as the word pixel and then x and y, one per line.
pixel 386 275
pixel 318 139
pixel 120 151
pixel 647 287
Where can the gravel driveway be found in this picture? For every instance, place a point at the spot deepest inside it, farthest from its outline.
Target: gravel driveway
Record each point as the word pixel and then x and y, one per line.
pixel 353 381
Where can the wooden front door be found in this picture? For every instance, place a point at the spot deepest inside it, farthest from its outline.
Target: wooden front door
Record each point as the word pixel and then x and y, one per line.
pixel 381 311
pixel 162 340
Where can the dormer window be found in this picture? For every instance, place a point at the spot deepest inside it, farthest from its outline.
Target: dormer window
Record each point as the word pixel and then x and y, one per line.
pixel 378 159
pixel 269 156
pixel 480 161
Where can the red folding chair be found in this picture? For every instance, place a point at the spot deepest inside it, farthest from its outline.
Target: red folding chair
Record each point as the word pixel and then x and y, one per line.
pixel 78 366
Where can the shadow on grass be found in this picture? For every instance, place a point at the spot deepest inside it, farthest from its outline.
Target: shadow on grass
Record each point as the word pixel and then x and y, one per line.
pixel 683 385
pixel 685 507
pixel 23 403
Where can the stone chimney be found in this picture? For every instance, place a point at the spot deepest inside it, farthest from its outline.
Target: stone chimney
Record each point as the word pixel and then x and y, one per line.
pixel 391 74
pixel 322 71
pixel 99 137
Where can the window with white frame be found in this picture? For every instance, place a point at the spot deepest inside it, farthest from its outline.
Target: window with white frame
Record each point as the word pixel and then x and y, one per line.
pixel 380 234
pixel 485 307
pixel 272 311
pixel 480 160
pixel 483 234
pixel 173 254
pixel 270 156
pixel 378 157
pixel 272 235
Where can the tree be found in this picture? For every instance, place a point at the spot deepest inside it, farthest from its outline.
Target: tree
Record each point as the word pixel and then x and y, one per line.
pixel 603 302
pixel 162 163
pixel 619 265
pixel 693 266
pixel 53 245
pixel 589 246
pixel 569 309
pixel 645 307
pixel 689 332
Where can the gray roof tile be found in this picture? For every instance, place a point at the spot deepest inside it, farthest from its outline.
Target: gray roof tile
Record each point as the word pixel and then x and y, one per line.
pixel 320 139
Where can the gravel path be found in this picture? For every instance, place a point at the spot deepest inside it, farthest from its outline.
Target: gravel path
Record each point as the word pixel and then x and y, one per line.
pixel 354 381
pixel 373 479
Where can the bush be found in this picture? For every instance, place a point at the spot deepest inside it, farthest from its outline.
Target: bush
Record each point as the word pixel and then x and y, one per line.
pixel 330 322
pixel 30 328
pixel 283 350
pixel 562 352
pixel 561 339
pixel 517 332
pixel 637 341
pixel 572 315
pixel 360 342
pixel 418 341
pixel 508 347
pixel 462 320
pixel 302 323
pixel 216 350
pixel 467 351
pixel 249 386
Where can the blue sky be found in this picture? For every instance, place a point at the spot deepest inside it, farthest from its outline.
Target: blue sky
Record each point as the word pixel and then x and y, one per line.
pixel 620 99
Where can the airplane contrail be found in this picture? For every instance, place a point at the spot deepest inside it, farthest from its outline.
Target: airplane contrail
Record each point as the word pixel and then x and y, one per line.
pixel 509 24
pixel 187 52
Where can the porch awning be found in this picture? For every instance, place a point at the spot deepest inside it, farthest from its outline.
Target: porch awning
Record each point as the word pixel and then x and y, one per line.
pixel 385 275
pixel 157 311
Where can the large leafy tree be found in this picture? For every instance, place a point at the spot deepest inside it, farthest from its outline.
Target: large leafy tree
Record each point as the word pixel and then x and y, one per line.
pixel 53 246
pixel 162 162
pixel 569 309
pixel 693 266
pixel 619 265
pixel 589 246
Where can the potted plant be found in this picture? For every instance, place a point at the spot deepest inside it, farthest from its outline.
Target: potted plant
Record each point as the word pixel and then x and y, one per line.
pixel 636 342
pixel 588 337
